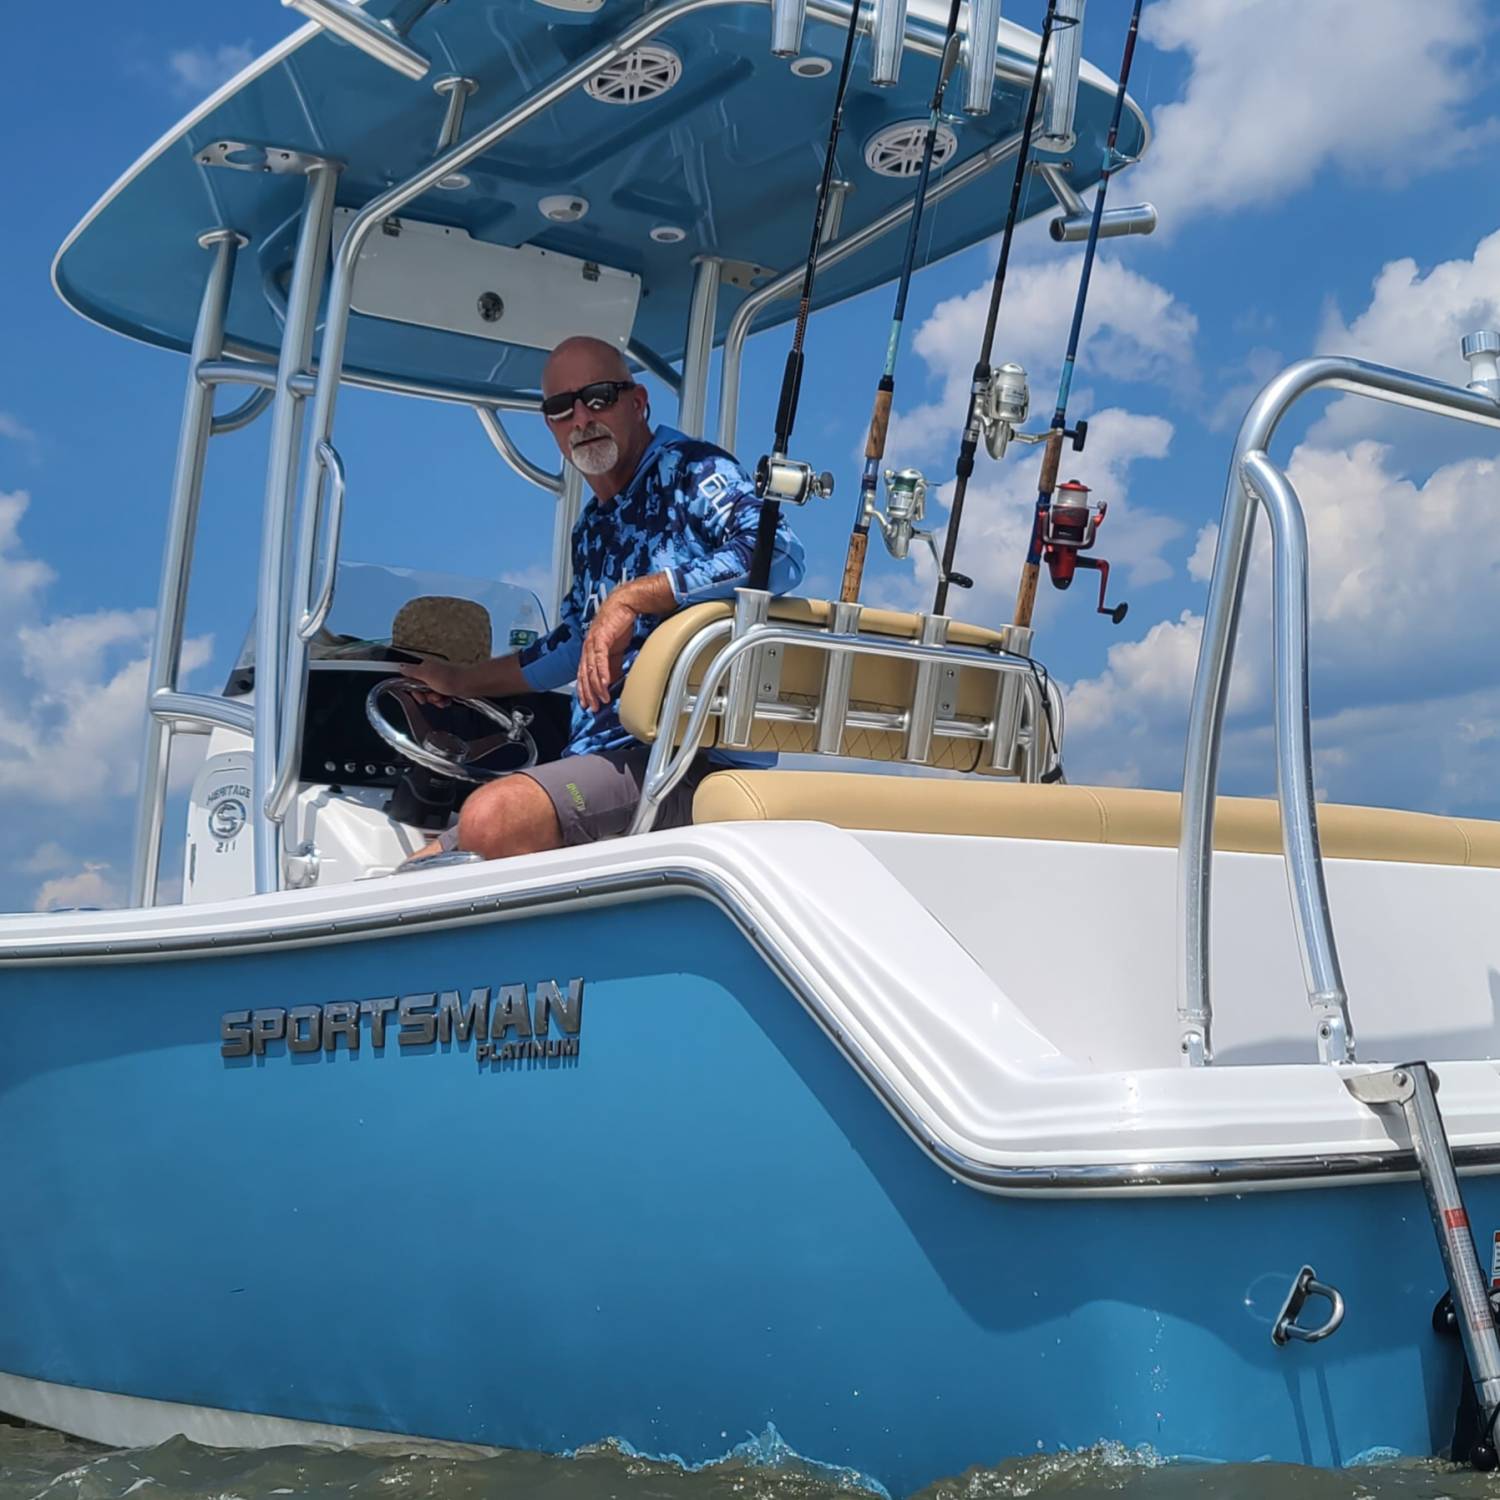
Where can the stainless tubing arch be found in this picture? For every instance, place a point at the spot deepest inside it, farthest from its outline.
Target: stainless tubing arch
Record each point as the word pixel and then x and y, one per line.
pixel 177 562
pixel 275 655
pixel 191 713
pixel 243 414
pixel 1216 651
pixel 1294 764
pixel 831 255
pixel 505 445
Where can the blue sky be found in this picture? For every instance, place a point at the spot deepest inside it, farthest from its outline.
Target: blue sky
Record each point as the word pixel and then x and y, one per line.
pixel 1325 175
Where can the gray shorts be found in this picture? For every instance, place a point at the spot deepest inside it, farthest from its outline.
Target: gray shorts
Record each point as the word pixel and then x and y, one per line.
pixel 596 796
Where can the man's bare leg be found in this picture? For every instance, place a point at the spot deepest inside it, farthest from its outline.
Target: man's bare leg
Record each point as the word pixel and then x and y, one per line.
pixel 511 816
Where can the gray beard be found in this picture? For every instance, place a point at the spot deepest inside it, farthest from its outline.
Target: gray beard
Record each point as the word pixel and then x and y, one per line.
pixel 596 457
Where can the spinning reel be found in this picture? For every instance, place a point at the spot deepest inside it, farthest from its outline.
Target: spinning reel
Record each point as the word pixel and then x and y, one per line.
pixel 1072 524
pixel 905 505
pixel 1003 403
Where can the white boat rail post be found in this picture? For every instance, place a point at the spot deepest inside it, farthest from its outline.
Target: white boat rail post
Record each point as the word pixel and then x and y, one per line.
pixel 177 562
pixel 698 347
pixel 835 251
pixel 275 643
pixel 1216 649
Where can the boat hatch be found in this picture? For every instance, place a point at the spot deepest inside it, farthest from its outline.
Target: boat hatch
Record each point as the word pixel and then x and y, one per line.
pixel 593 211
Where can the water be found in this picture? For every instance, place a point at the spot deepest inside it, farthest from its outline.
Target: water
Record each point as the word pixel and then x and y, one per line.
pixel 34 1463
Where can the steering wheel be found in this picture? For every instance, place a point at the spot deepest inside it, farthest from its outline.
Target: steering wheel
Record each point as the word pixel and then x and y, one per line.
pixel 441 750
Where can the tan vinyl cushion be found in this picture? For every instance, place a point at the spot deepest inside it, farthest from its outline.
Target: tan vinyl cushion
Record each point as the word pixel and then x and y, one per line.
pixel 1080 814
pixel 878 682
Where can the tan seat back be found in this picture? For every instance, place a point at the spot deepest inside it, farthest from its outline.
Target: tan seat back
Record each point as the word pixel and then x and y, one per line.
pixel 881 684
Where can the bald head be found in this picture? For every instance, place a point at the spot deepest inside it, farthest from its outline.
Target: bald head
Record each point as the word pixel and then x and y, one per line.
pixel 604 441
pixel 579 360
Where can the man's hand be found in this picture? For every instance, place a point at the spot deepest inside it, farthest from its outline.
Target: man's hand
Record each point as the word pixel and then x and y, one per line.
pixel 446 680
pixel 604 649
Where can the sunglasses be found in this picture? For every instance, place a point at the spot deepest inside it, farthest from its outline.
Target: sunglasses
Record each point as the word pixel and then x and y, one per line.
pixel 596 396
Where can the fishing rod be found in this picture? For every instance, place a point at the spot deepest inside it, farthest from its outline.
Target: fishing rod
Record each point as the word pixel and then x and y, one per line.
pixel 880 417
pixel 983 388
pixel 778 478
pixel 1072 530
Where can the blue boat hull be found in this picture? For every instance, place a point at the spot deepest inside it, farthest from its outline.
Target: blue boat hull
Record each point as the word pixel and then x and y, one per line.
pixel 701 1225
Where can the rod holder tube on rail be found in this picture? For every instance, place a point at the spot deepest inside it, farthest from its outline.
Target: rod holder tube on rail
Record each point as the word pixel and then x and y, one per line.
pixel 1002 746
pixel 1062 100
pixel 703 308
pixel 1294 765
pixel 279 656
pixel 752 607
pixel 1216 648
pixel 979 75
pixel 745 313
pixel 177 560
pixel 917 747
pixel 888 27
pixel 838 673
pixel 350 24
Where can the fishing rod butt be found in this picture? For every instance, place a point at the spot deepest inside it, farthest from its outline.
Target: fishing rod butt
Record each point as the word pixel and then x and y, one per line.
pixel 854 565
pixel 880 420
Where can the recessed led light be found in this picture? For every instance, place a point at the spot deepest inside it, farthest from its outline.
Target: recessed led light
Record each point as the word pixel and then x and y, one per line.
pixel 563 208
pixel 668 234
pixel 811 67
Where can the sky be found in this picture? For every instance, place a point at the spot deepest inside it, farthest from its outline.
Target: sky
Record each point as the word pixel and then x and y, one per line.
pixel 1324 175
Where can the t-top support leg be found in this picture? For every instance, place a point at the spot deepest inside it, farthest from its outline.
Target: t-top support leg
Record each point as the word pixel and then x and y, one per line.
pixel 177 562
pixel 272 604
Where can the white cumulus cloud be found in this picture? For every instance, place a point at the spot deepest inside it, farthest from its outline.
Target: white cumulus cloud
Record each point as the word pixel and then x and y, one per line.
pixel 200 70
pixel 1279 90
pixel 92 886
pixel 1404 609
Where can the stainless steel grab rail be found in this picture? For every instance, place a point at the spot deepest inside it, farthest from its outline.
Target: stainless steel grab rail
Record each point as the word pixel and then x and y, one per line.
pixel 1254 479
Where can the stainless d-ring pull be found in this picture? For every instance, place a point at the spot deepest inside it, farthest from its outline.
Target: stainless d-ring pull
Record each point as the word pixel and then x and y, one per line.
pixel 1307 1285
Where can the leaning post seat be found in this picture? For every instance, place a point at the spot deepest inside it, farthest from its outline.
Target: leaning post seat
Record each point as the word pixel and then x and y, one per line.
pixel 881 688
pixel 1080 814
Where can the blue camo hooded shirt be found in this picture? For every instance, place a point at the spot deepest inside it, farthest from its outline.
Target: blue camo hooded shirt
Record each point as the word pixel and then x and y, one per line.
pixel 690 512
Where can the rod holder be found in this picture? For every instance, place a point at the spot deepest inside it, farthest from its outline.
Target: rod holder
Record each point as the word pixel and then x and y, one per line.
pixel 1114 223
pixel 457 92
pixel 787 17
pixel 1062 101
pixel 1002 746
pixel 833 211
pixel 350 24
pixel 1482 350
pixel 984 35
pixel 919 722
pixel 752 607
pixel 888 30
pixel 838 673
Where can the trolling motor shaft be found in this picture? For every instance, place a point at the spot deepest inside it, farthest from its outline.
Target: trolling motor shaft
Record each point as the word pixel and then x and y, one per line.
pixel 1071 527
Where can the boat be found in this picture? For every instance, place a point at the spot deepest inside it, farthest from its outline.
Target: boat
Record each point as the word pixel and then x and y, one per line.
pixel 852 1111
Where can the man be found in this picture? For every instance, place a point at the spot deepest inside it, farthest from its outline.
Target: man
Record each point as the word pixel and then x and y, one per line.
pixel 672 522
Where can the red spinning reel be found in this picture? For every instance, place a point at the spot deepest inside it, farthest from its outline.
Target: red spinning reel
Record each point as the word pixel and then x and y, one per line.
pixel 1073 521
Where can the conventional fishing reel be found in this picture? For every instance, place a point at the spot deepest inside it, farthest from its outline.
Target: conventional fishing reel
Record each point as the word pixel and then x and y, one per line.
pixel 1003 403
pixel 1071 528
pixel 790 482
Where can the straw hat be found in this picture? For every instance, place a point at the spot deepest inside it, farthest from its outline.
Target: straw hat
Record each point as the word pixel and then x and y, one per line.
pixel 457 630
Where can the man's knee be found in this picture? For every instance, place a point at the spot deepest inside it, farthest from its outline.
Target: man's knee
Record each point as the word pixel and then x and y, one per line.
pixel 512 816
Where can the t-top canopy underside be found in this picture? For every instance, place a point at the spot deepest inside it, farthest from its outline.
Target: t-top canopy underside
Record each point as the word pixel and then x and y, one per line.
pixel 709 145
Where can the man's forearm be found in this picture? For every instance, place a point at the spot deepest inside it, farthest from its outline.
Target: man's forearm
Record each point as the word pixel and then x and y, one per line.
pixel 500 677
pixel 651 595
